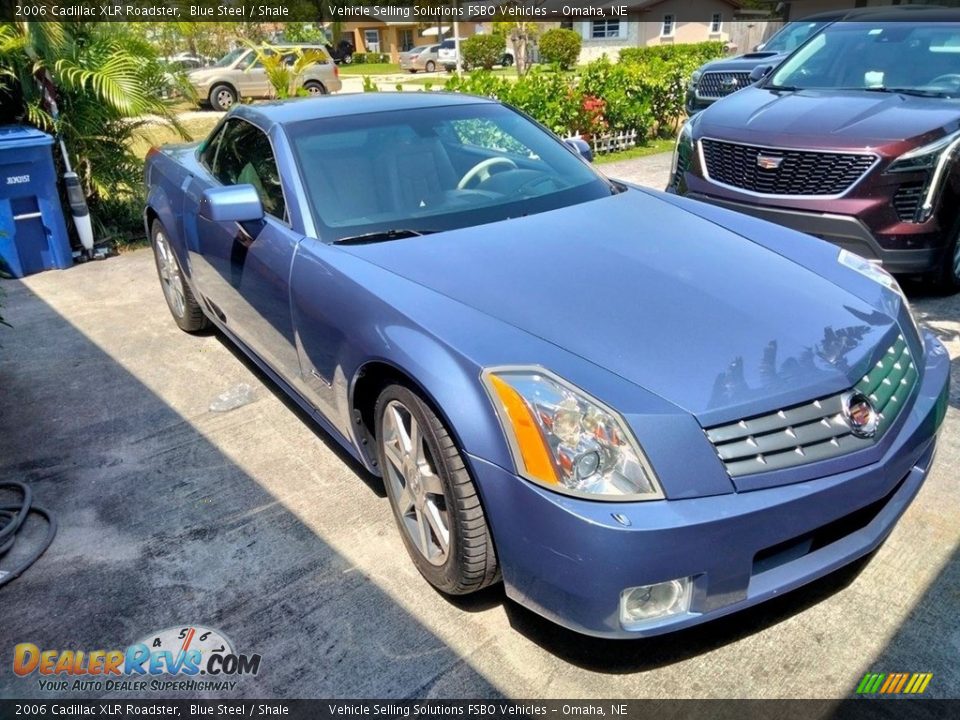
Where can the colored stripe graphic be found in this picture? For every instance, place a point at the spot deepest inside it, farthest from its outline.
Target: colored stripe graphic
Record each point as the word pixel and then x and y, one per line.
pixel 894 683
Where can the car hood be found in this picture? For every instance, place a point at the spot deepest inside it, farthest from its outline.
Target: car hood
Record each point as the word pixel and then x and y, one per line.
pixel 744 63
pixel 827 118
pixel 675 303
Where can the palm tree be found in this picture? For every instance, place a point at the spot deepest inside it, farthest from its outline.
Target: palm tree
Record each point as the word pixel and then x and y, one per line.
pixel 107 85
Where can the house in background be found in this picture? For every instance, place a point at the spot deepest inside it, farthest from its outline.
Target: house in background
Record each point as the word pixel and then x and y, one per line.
pixel 393 38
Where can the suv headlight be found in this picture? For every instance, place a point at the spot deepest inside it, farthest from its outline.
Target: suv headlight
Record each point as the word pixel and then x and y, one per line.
pixel 564 439
pixel 879 275
pixel 936 156
pixel 682 151
pixel 695 77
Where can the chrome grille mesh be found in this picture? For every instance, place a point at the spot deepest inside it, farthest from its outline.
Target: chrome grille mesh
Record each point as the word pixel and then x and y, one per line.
pixel 797 172
pixel 718 84
pixel 816 430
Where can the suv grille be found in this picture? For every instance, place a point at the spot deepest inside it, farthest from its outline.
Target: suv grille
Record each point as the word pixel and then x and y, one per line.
pixel 790 172
pixel 721 84
pixel 816 430
pixel 907 200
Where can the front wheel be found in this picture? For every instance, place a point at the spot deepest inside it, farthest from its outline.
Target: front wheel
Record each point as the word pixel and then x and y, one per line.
pixel 430 66
pixel 184 307
pixel 947 277
pixel 222 97
pixel 434 501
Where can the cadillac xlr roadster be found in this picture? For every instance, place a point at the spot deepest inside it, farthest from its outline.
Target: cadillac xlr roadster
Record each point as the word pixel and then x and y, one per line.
pixel 638 410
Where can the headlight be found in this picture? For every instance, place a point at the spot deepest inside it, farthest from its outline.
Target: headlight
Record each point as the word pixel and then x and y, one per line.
pixel 877 274
pixel 566 440
pixel 695 77
pixel 935 155
pixel 684 145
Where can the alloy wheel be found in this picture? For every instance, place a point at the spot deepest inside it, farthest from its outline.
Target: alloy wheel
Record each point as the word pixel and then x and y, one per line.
pixel 415 484
pixel 170 276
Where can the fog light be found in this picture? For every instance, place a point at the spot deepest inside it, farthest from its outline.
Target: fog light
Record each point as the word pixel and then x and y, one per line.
pixel 644 604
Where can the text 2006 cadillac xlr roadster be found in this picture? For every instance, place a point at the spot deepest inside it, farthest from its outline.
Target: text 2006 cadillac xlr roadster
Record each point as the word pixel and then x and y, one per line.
pixel 640 411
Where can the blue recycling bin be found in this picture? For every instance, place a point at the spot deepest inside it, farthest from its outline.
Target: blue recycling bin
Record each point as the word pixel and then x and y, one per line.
pixel 33 235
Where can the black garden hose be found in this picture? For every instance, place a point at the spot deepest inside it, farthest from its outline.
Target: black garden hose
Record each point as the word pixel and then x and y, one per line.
pixel 11 520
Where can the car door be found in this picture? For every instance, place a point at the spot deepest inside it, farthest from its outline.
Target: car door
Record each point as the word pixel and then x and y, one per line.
pixel 250 77
pixel 243 270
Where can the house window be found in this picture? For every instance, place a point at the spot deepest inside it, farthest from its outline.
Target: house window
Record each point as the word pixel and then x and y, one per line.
pixel 716 23
pixel 605 29
pixel 406 40
pixel 668 23
pixel 371 38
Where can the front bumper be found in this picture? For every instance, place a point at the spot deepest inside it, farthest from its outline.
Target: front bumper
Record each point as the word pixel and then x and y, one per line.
pixel 845 231
pixel 568 559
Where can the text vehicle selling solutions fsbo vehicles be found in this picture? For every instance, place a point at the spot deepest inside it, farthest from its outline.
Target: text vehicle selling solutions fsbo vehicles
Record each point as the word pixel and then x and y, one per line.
pixel 640 411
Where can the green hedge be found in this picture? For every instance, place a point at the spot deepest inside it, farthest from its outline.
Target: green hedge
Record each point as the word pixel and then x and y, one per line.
pixel 369 58
pixel 482 51
pixel 644 92
pixel 560 46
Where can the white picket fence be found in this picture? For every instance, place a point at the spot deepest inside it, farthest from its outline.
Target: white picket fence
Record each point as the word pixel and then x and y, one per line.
pixel 612 142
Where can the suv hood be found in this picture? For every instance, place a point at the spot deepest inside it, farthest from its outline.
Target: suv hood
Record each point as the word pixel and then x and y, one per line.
pixel 831 119
pixel 744 63
pixel 712 322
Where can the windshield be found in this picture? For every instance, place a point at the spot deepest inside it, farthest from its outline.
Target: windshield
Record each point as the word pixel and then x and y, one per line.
pixel 435 169
pixel 792 36
pixel 228 59
pixel 923 58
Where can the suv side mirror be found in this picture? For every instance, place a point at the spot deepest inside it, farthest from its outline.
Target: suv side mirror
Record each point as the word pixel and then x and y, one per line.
pixel 759 46
pixel 231 203
pixel 581 147
pixel 760 72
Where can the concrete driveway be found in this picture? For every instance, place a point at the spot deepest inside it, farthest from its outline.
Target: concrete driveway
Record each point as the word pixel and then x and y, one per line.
pixel 252 522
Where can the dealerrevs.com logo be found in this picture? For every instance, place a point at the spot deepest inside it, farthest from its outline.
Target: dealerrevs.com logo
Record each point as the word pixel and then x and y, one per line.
pixel 179 658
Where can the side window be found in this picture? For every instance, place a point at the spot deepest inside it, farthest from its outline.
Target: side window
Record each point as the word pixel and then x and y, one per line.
pixel 209 153
pixel 245 157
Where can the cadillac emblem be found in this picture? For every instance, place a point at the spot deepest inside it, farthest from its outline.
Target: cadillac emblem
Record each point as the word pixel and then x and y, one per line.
pixel 768 162
pixel 860 414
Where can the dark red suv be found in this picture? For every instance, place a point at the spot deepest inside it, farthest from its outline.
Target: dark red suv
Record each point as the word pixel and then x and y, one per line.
pixel 853 139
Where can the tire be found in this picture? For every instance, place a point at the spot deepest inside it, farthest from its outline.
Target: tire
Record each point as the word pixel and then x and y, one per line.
pixel 184 307
pixel 412 71
pixel 947 277
pixel 314 87
pixel 432 482
pixel 347 59
pixel 222 97
pixel 431 66
pixel 507 60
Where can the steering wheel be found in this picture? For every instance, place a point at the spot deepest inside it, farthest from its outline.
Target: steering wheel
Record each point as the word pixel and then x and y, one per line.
pixel 482 170
pixel 946 78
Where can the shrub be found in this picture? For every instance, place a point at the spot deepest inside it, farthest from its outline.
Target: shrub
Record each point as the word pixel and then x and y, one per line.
pixel 370 58
pixel 483 51
pixel 560 46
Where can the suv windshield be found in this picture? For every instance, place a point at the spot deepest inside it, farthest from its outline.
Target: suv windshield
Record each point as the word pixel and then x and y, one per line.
pixel 431 169
pixel 792 36
pixel 916 58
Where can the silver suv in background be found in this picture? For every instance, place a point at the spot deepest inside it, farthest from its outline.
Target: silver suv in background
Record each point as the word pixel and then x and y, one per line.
pixel 239 74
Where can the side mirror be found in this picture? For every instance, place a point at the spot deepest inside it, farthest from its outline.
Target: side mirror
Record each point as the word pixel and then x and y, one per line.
pixel 760 72
pixel 759 46
pixel 581 147
pixel 232 203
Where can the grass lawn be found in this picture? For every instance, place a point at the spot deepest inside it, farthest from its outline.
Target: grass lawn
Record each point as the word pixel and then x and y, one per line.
pixel 370 69
pixel 198 126
pixel 653 147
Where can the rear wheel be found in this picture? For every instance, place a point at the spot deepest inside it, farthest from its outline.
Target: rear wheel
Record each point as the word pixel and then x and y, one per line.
pixel 434 501
pixel 314 87
pixel 222 97
pixel 430 66
pixel 184 307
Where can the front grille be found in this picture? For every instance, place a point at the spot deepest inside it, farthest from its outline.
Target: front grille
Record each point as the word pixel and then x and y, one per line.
pixel 906 201
pixel 816 430
pixel 796 172
pixel 721 84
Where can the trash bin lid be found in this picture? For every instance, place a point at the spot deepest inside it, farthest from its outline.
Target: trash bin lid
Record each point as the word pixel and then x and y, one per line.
pixel 16 136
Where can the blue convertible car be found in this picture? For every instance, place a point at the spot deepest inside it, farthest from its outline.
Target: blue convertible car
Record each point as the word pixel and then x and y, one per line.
pixel 641 412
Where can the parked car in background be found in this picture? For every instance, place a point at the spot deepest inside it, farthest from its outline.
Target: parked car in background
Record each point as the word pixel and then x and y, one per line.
pixel 639 411
pixel 342 52
pixel 719 78
pixel 239 74
pixel 424 57
pixel 853 139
